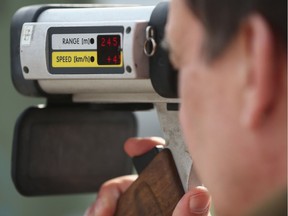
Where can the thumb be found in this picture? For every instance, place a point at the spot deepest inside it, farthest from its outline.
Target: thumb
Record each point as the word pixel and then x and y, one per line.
pixel 195 202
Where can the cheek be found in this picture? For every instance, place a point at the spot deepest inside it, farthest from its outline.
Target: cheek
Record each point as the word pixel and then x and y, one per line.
pixel 193 117
pixel 190 107
pixel 197 113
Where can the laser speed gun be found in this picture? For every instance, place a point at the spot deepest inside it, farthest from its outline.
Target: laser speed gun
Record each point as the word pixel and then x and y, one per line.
pixel 95 64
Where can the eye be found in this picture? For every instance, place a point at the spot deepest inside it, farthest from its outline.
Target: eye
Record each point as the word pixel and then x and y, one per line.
pixel 165 45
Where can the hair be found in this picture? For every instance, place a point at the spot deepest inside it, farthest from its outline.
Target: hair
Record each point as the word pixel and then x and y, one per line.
pixel 222 18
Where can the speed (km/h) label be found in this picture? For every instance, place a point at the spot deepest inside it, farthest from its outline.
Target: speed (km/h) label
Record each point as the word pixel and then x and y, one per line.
pixel 74 59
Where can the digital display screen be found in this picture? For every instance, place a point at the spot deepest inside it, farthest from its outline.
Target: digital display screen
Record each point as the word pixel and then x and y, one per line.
pixel 108 49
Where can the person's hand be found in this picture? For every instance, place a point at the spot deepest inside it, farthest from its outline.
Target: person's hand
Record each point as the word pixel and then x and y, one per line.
pixel 195 202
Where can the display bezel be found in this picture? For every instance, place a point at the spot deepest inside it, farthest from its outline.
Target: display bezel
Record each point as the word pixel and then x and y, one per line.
pixel 80 69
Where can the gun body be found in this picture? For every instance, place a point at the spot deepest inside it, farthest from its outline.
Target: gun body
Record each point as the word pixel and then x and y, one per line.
pixel 68 63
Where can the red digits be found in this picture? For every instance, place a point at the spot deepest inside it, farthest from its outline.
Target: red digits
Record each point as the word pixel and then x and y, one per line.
pixel 103 42
pixel 115 59
pixel 108 41
pixel 115 41
pixel 109 59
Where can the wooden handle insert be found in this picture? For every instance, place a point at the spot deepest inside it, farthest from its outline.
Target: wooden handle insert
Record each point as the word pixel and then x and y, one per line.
pixel 156 192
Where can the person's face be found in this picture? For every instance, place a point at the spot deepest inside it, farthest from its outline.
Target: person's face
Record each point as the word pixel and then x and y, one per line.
pixel 210 94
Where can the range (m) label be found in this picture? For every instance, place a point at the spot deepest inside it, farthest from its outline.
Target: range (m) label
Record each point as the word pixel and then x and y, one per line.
pixel 74 59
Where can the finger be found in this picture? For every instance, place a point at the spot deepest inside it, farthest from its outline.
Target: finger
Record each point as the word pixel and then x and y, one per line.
pixel 108 196
pixel 138 146
pixel 196 202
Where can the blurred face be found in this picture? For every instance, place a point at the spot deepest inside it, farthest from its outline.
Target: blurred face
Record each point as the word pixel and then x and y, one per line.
pixel 211 98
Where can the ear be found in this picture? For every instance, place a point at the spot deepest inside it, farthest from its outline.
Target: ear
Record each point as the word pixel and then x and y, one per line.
pixel 261 81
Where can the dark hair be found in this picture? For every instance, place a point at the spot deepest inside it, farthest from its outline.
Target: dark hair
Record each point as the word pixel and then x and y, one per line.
pixel 222 19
